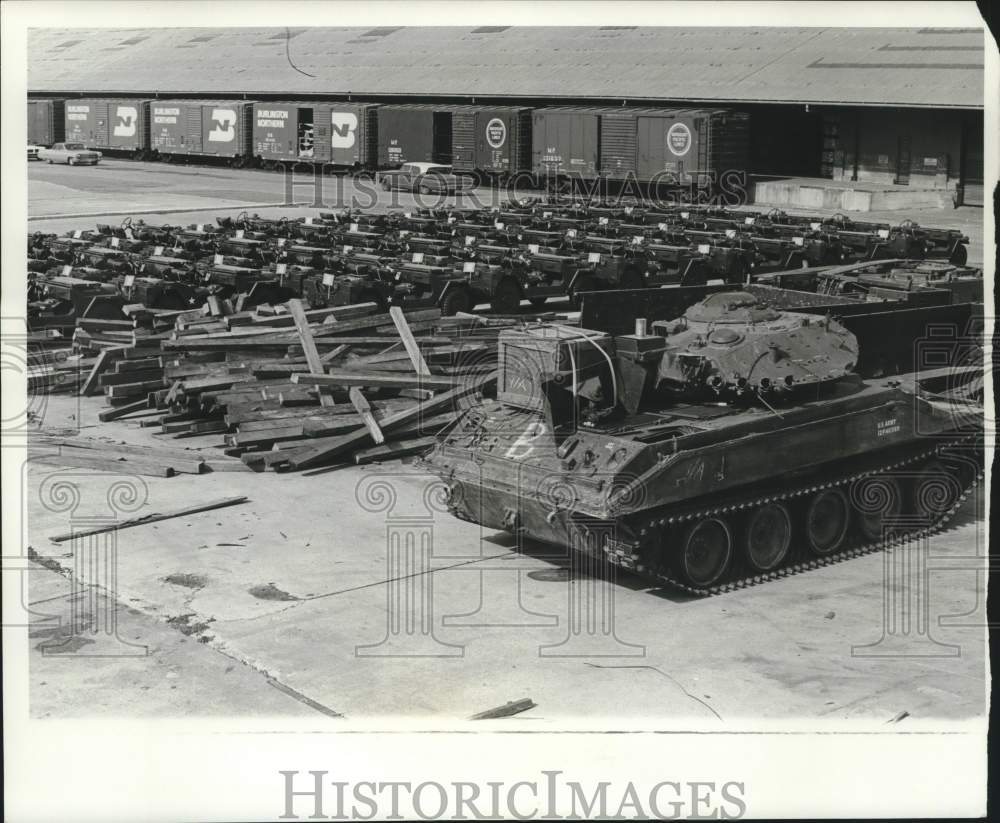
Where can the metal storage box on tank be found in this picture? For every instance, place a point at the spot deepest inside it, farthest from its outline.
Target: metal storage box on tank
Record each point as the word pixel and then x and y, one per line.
pixel 405 135
pixel 566 141
pixel 535 356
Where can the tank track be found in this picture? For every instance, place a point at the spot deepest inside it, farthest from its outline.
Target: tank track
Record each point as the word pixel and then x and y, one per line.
pixel 799 560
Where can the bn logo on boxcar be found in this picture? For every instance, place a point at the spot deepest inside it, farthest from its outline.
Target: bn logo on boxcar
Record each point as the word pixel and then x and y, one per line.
pixel 125 127
pixel 343 126
pixel 223 126
pixel 679 139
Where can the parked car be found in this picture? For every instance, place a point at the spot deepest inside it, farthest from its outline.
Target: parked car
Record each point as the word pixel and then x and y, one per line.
pixel 73 154
pixel 33 151
pixel 427 178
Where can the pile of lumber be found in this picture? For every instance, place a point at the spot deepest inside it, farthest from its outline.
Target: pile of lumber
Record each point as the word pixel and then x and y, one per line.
pixel 289 389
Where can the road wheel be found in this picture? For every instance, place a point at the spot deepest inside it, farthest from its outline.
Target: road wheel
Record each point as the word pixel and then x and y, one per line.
pixel 826 521
pixel 70 161
pixel 768 536
pixel 506 297
pixel 456 300
pixel 537 302
pixel 707 550
pixel 960 256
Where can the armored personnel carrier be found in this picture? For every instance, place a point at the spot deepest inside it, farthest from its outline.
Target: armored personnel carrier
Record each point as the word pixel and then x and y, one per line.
pixel 732 444
pixel 911 281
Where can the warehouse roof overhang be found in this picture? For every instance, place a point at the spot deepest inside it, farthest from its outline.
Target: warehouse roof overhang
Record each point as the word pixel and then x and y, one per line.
pixel 941 68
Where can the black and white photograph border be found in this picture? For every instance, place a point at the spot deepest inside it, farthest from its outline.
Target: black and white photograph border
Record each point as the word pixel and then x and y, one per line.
pixel 438 410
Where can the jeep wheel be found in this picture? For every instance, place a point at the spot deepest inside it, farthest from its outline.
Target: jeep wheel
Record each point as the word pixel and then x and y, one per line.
pixel 537 302
pixel 506 297
pixel 454 301
pixel 386 185
pixel 960 256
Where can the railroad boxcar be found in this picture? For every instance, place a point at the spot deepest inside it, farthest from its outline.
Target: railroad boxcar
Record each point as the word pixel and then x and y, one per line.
pixel 566 141
pixel 203 128
pixel 674 145
pixel 494 140
pixel 46 122
pixel 343 134
pixel 678 146
pixel 414 133
pixel 119 124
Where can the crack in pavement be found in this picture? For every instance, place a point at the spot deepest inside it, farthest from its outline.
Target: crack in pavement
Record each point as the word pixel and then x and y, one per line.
pixel 667 675
pixel 384 582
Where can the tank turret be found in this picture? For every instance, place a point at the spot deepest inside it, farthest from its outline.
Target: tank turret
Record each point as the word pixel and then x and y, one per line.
pixel 731 344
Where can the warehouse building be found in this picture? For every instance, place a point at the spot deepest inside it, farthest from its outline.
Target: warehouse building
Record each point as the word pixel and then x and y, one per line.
pixel 848 118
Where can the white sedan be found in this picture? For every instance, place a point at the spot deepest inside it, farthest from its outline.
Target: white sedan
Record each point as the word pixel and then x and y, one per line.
pixel 73 154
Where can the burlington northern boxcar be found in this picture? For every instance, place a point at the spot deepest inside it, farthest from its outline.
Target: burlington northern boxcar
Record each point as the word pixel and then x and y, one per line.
pixel 342 134
pixel 201 128
pixel 118 124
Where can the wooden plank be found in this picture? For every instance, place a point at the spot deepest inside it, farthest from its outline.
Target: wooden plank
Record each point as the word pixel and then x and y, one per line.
pixel 121 411
pixel 124 378
pixel 383 380
pixel 313 456
pixel 132 389
pixel 506 710
pixel 84 459
pixel 412 349
pixel 338 313
pixel 181 460
pixel 104 360
pixel 284 340
pixel 308 345
pixel 367 415
pixel 152 518
pixel 393 451
pixel 333 354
